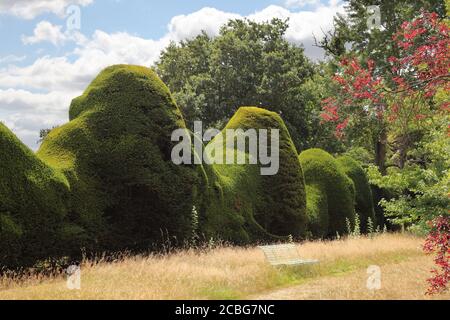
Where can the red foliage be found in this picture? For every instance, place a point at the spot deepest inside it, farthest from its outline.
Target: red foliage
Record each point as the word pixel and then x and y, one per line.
pixel 438 241
pixel 417 73
pixel 424 59
pixel 356 84
pixel 421 68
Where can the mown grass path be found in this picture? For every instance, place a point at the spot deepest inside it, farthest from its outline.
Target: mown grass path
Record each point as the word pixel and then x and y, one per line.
pixel 399 280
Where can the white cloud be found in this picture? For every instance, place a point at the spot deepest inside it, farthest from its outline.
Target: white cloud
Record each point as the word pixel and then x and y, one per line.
pixel 29 9
pixel 38 95
pixel 18 100
pixel 304 25
pixel 11 59
pixel 27 125
pixel 46 73
pixel 96 53
pixel 45 31
pixel 120 47
pixel 25 113
pixel 300 3
pixel 207 19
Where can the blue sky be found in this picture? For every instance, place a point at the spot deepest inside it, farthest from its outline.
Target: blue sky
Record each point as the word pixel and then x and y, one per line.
pixel 44 63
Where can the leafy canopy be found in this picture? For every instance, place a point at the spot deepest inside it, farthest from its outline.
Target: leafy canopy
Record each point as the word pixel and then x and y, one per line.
pixel 248 63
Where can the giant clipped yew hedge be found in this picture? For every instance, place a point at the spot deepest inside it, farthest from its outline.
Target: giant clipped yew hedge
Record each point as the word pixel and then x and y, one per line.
pixel 328 182
pixel 268 206
pixel 105 181
pixel 116 153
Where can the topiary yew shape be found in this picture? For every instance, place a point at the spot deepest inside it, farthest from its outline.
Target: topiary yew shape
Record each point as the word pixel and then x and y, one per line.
pixel 106 180
pixel 116 154
pixel 32 204
pixel 364 200
pixel 269 206
pixel 324 175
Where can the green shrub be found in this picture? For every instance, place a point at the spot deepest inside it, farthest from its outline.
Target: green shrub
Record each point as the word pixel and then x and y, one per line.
pixel 116 154
pixel 317 210
pixel 227 213
pixel 106 180
pixel 10 241
pixel 33 200
pixel 322 172
pixel 269 206
pixel 364 200
pixel 378 195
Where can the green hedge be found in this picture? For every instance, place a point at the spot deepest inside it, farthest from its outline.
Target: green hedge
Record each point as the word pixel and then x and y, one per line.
pixel 106 180
pixel 364 200
pixel 10 241
pixel 33 204
pixel 317 210
pixel 323 174
pixel 116 153
pixel 269 206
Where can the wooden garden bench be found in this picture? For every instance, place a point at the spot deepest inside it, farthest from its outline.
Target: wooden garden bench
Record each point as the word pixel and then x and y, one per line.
pixel 284 255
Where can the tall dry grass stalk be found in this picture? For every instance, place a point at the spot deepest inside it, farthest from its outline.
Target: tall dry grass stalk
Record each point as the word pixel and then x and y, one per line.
pixel 222 273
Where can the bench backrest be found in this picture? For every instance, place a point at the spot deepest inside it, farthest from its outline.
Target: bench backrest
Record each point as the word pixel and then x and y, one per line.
pixel 280 253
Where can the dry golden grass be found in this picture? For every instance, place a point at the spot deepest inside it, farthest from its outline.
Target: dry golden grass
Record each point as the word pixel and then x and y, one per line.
pixel 230 273
pixel 399 281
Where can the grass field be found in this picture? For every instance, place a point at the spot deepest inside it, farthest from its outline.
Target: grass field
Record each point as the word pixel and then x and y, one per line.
pixel 239 273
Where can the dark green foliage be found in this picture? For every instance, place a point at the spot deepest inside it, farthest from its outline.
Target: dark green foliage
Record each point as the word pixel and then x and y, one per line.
pixel 379 194
pixel 116 153
pixel 248 63
pixel 282 209
pixel 10 241
pixel 269 206
pixel 364 200
pixel 32 204
pixel 111 183
pixel 106 180
pixel 228 205
pixel 323 174
pixel 317 210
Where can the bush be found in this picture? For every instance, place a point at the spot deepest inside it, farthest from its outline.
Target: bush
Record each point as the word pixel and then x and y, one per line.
pixel 10 241
pixel 323 175
pixel 364 200
pixel 317 210
pixel 116 153
pixel 270 206
pixel 33 204
pixel 106 180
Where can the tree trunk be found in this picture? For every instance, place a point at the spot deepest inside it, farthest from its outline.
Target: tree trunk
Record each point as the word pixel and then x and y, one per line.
pixel 403 150
pixel 381 151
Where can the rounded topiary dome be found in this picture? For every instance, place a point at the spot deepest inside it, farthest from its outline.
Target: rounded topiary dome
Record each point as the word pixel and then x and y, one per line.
pixel 317 210
pixel 271 205
pixel 364 200
pixel 323 174
pixel 116 152
pixel 32 204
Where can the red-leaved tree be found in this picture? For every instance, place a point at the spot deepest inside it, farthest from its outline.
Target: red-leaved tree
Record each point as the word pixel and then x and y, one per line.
pixel 370 97
pixel 438 242
pixel 395 102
